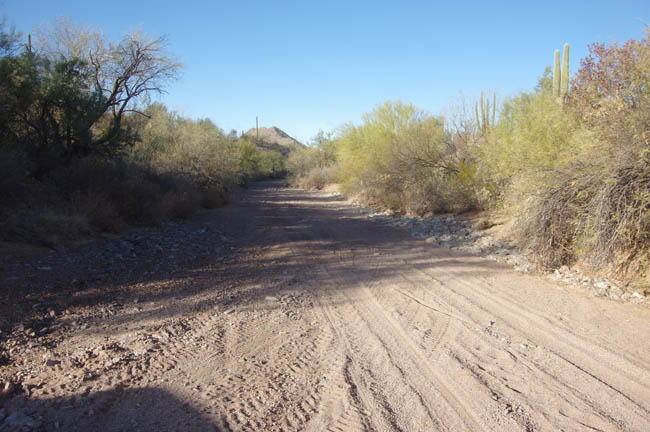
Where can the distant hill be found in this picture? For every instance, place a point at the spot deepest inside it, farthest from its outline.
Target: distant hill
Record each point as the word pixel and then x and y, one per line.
pixel 273 138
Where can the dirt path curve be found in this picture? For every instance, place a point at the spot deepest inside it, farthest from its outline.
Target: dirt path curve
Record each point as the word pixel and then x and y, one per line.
pixel 324 321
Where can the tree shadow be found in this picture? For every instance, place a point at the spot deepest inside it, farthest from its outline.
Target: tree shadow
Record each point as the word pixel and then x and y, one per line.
pixel 304 234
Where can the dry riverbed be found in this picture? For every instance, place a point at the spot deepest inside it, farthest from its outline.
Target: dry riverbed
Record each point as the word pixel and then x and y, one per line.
pixel 291 310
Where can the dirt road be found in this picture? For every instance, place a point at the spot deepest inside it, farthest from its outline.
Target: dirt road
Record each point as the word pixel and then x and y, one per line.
pixel 320 320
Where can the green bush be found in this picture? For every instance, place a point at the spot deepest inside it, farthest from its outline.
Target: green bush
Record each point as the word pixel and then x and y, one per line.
pixel 404 159
pixel 589 195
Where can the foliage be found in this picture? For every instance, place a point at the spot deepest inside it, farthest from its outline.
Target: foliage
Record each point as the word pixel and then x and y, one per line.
pixel 314 166
pixel 533 137
pixel 81 147
pixel 405 159
pixel 596 206
pixel 62 103
pixel 198 150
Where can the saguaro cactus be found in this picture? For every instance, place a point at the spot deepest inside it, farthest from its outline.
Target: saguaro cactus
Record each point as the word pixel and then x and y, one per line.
pixel 564 86
pixel 494 109
pixel 561 75
pixel 482 107
pixel 556 73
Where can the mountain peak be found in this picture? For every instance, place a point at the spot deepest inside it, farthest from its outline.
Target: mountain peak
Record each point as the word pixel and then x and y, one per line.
pixel 273 135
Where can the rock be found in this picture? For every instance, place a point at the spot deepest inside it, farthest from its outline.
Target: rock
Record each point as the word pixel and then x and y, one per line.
pixel 270 298
pixel 431 239
pixel 229 311
pixel 525 268
pixel 599 289
pixel 614 292
pixel 323 382
pixel 19 420
pixel 127 339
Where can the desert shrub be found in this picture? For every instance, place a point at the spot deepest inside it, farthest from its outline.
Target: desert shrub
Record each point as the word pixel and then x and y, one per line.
pixel 181 204
pixel 405 159
pixel 593 213
pixel 249 160
pixel 134 193
pixel 138 200
pixel 312 165
pixel 554 220
pixel 58 220
pixel 316 178
pixel 214 196
pixel 99 211
pixel 301 161
pixel 198 151
pixel 534 136
pixel 595 205
pixel 272 165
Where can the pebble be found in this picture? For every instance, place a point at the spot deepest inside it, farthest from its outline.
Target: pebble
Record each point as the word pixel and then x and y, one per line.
pixel 52 363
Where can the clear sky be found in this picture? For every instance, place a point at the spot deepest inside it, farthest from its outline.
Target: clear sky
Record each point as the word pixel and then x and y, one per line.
pixel 310 65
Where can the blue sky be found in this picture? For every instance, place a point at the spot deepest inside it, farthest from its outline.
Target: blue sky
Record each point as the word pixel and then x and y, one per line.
pixel 305 66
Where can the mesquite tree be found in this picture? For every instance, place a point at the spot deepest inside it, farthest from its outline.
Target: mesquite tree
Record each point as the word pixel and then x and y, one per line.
pixel 66 95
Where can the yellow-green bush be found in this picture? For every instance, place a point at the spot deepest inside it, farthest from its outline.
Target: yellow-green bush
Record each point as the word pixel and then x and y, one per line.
pixel 405 159
pixel 581 169
pixel 198 151
pixel 533 137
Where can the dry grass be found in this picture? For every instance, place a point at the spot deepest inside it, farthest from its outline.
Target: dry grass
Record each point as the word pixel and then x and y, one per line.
pixel 92 195
pixel 315 178
pixel 181 205
pixel 596 214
